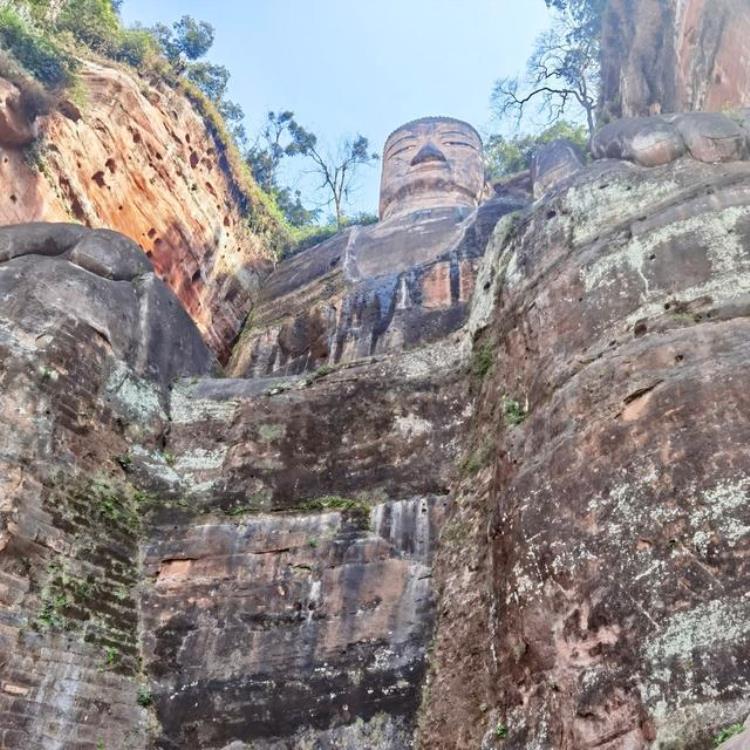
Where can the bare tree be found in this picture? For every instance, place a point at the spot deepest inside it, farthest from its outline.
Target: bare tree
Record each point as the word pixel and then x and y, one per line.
pixel 337 173
pixel 562 74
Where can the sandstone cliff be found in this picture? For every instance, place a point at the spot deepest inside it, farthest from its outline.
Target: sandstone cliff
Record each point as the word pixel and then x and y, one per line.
pixel 674 56
pixel 554 488
pixel 592 572
pixel 137 157
pixel 479 478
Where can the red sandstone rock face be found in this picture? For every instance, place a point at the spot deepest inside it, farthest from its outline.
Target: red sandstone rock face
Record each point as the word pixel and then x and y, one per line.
pixel 713 54
pixel 138 159
pixel 592 577
pixel 675 56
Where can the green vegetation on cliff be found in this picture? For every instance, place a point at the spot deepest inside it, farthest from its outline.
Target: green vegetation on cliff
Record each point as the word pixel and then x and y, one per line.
pixel 506 156
pixel 42 45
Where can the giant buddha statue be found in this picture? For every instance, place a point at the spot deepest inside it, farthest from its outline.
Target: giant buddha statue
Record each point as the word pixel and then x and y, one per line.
pixel 431 162
pixel 397 284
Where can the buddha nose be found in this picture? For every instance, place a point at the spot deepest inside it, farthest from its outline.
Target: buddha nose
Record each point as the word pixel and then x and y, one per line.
pixel 428 152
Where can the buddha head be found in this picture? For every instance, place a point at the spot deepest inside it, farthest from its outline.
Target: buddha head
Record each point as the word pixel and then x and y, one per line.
pixel 429 163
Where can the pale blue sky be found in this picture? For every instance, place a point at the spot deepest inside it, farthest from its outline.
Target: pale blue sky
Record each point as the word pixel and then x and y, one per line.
pixel 348 66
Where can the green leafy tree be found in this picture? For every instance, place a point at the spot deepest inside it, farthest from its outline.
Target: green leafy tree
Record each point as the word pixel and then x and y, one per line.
pixel 234 118
pixel 186 39
pixel 281 136
pixel 93 22
pixel 292 207
pixel 34 51
pixel 211 79
pixel 136 46
pixel 507 156
pixel 585 15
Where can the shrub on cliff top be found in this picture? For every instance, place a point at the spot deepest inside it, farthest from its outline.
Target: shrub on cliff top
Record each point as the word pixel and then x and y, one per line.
pixel 136 47
pixel 92 22
pixel 36 53
pixel 35 100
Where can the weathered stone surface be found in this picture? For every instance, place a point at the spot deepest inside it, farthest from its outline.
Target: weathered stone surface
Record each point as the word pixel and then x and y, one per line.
pixel 89 340
pixel 298 624
pixel 110 255
pixel 68 542
pixel 15 130
pixel 648 141
pixel 713 138
pixel 382 428
pixel 173 496
pixel 553 164
pixel 248 562
pixel 592 575
pixel 53 273
pixel 140 160
pixel 663 56
pixel 285 624
pixel 39 239
pixel 653 141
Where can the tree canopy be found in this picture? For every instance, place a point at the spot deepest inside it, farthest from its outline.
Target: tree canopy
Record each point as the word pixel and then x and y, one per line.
pixel 507 156
pixel 186 39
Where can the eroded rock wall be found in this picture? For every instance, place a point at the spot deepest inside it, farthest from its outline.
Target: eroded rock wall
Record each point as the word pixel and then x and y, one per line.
pixel 592 573
pixel 663 56
pixel 294 630
pixel 136 157
pixel 288 562
pixel 559 478
pixel 198 561
pixel 88 338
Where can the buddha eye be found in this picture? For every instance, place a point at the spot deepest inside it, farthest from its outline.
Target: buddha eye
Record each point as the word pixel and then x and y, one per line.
pixel 401 150
pixel 459 143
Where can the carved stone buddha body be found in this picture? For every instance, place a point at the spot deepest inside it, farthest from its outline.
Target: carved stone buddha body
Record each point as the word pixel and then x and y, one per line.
pixel 398 284
pixel 431 162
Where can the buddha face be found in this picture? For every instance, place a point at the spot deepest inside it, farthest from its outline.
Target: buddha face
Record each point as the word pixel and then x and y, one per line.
pixel 429 163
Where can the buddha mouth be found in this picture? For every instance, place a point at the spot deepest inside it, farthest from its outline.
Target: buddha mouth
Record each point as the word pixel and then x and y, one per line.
pixel 431 165
pixel 416 187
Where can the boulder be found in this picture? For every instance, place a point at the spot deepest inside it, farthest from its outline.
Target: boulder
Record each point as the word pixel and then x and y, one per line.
pixel 713 137
pixel 55 272
pixel 648 141
pixel 110 255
